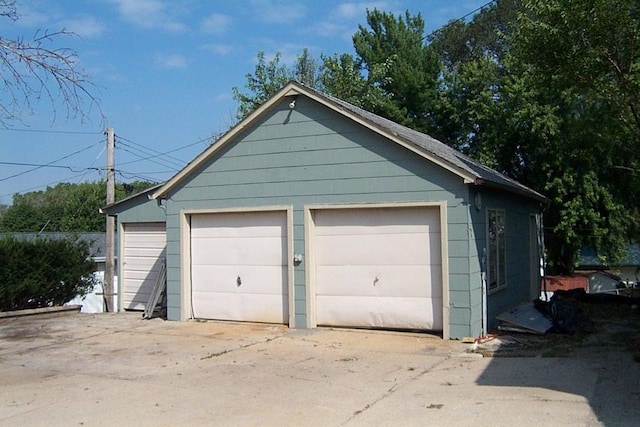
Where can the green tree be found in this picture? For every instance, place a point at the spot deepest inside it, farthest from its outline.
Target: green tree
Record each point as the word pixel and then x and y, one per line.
pixel 267 79
pixel 586 60
pixel 64 207
pixel 395 59
pixel 307 70
pixel 270 76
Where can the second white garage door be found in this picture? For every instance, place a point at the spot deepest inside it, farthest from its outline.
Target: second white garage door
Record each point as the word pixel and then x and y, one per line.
pixel 144 252
pixel 239 266
pixel 378 267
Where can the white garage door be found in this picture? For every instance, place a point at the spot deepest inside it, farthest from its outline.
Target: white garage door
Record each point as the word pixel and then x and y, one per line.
pixel 239 266
pixel 378 268
pixel 144 251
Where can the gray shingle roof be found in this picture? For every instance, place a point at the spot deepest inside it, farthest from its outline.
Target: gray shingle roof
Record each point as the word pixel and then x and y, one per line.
pixel 589 258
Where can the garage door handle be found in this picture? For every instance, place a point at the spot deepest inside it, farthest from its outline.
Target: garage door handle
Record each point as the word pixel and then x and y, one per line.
pixel 239 281
pixel 375 281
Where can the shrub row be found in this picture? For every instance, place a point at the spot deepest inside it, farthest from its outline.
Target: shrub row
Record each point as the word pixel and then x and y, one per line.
pixel 43 272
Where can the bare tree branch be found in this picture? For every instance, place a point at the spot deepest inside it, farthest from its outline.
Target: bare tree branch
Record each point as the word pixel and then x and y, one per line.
pixel 31 71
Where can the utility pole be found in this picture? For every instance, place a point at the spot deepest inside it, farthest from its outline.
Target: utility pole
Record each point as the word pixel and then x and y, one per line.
pixel 110 237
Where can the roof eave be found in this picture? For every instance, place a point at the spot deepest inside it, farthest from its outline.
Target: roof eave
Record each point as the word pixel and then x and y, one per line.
pixel 524 191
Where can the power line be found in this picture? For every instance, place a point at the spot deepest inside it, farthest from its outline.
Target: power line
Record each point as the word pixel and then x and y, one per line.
pixel 142 158
pixel 38 166
pixel 65 132
pixel 44 185
pixel 200 141
pixel 132 175
pixel 462 18
pixel 145 148
pixel 50 164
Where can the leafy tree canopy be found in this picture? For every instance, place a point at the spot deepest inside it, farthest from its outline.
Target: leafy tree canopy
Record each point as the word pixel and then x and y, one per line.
pixel 270 76
pixel 63 208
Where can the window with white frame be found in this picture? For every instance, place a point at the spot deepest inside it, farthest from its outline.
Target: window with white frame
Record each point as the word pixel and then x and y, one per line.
pixel 496 250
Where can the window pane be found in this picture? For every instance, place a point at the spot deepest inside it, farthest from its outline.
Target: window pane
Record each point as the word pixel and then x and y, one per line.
pixel 501 257
pixel 496 253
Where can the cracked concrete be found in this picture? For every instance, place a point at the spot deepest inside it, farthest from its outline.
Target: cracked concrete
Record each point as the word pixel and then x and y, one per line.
pixel 117 369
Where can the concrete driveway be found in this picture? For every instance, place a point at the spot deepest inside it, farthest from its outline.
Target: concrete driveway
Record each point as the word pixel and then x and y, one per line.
pixel 116 369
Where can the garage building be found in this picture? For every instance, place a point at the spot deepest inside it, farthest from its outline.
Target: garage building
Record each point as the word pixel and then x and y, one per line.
pixel 313 212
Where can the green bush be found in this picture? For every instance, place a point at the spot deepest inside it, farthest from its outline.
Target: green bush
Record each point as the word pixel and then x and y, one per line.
pixel 43 272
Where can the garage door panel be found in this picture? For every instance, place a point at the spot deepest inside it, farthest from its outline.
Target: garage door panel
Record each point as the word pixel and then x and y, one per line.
pixel 141 275
pixel 143 242
pixel 145 252
pixel 380 281
pixel 241 251
pixel 138 300
pixel 374 312
pixel 237 224
pixel 200 231
pixel 147 264
pixel 261 279
pixel 243 307
pixel 386 249
pixel 390 220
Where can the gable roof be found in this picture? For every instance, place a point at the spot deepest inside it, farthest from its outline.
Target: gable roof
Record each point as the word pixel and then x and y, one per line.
pixel 431 149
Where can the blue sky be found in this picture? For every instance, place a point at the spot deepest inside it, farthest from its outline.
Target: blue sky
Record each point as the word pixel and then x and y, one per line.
pixel 163 71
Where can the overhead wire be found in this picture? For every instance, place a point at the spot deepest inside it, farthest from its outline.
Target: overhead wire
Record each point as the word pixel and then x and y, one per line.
pixel 462 18
pixel 152 159
pixel 200 141
pixel 44 185
pixel 65 132
pixel 50 164
pixel 148 149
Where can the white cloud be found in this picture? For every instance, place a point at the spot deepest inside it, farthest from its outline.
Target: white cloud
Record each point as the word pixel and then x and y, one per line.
pixel 225 96
pixel 29 18
pixel 343 21
pixel 278 11
pixel 149 14
pixel 171 60
pixel 350 11
pixel 216 23
pixel 84 26
pixel 218 48
pixel 53 20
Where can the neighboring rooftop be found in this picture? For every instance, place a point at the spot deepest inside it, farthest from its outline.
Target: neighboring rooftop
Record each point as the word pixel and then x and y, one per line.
pixel 589 258
pixel 97 241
